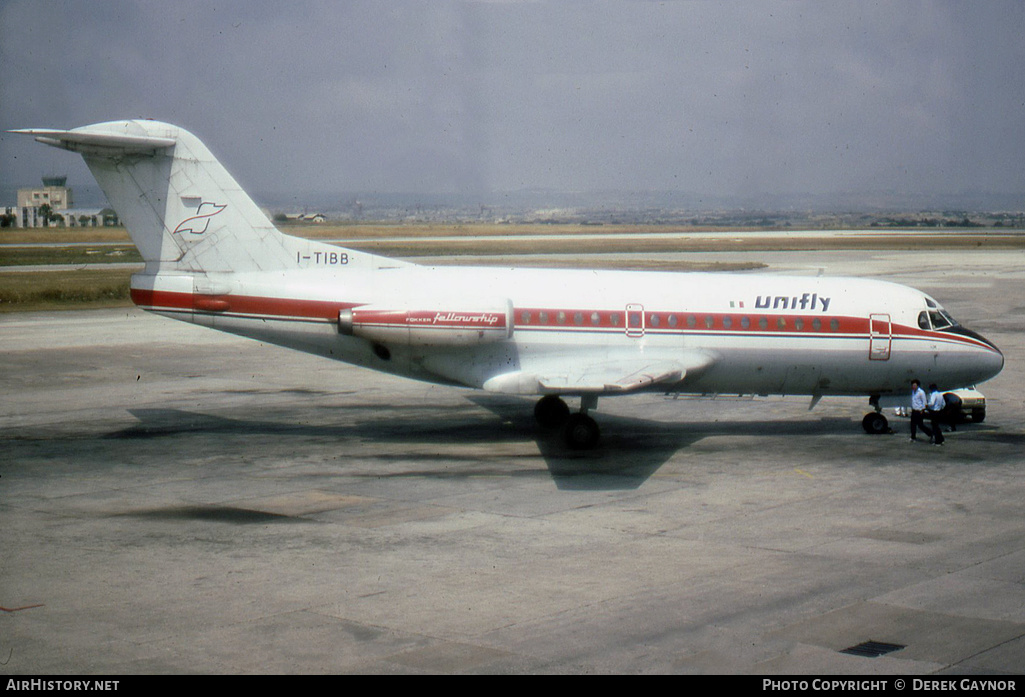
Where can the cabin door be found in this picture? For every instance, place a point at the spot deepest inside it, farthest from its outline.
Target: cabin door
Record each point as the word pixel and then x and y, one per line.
pixel 635 320
pixel 880 337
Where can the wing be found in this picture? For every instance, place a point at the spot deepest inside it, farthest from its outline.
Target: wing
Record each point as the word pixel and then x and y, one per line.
pixel 573 375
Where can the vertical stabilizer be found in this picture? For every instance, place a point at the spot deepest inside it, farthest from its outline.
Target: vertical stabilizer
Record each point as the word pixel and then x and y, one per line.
pixel 183 210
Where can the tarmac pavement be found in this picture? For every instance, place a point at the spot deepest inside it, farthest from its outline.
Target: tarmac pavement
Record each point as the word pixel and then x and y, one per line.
pixel 174 500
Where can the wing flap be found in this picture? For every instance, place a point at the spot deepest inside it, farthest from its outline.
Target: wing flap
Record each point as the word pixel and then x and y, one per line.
pixel 612 377
pixel 600 377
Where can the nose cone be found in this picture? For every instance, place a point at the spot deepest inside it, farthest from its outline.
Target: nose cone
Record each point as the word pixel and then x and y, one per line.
pixel 989 361
pixel 994 362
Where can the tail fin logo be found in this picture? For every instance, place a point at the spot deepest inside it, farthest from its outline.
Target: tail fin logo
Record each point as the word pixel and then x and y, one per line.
pixel 199 223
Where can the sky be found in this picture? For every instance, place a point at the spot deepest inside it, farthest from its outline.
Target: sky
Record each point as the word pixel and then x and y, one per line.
pixel 740 98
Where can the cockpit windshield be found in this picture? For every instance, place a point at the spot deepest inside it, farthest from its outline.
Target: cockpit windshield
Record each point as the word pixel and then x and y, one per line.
pixel 935 317
pixel 941 320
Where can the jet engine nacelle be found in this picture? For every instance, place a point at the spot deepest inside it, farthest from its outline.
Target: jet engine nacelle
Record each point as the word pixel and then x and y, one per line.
pixel 444 323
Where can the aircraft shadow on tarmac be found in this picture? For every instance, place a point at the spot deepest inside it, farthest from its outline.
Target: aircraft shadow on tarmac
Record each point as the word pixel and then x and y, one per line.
pixel 631 450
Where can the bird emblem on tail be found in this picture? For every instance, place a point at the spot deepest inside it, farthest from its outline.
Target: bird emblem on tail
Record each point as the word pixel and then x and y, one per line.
pixel 199 223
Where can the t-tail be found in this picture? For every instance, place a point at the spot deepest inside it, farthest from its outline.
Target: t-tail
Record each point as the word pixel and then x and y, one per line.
pixel 186 214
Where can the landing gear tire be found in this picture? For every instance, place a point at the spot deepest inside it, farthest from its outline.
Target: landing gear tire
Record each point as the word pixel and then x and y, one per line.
pixel 581 432
pixel 551 412
pixel 875 424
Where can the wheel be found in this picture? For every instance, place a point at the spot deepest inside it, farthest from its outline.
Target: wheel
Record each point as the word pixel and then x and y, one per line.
pixel 551 412
pixel 978 415
pixel 875 423
pixel 581 432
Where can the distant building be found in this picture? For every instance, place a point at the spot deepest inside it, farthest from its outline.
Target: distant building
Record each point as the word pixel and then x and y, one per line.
pixel 54 193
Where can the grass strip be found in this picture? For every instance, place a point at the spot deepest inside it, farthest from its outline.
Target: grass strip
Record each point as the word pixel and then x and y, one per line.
pixel 34 256
pixel 64 290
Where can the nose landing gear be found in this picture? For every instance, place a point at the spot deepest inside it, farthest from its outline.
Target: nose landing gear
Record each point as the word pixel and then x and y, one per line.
pixel 874 422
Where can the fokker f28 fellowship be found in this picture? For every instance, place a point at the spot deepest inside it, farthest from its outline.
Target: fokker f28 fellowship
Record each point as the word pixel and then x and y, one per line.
pixel 213 258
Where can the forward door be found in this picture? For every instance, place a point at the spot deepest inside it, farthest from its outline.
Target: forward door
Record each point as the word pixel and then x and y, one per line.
pixel 880 337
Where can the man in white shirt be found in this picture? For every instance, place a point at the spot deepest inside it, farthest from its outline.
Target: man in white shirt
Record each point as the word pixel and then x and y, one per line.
pixel 918 406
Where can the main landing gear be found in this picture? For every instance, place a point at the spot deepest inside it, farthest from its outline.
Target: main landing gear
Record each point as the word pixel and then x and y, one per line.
pixel 874 422
pixel 579 431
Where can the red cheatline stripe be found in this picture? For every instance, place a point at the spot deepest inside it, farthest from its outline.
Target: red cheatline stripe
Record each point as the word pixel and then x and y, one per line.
pixel 711 322
pixel 242 304
pixel 692 321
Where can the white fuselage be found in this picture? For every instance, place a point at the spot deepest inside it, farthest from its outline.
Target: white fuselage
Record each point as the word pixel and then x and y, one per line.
pixel 760 334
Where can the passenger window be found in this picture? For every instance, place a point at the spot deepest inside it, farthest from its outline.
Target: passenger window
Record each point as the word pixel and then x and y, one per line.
pixel 595 319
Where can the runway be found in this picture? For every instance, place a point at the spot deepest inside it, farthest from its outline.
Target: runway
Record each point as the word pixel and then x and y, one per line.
pixel 175 500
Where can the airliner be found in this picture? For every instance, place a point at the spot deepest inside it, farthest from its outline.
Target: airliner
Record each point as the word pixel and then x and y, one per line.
pixel 214 259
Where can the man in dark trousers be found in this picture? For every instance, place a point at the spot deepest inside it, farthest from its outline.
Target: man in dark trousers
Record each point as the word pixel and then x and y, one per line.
pixel 918 406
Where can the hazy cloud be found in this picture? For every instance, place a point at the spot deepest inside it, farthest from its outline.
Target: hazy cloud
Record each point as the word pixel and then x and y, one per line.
pixel 732 98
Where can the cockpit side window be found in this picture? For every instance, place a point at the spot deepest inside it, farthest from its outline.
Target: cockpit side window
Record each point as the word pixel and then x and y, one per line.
pixel 923 320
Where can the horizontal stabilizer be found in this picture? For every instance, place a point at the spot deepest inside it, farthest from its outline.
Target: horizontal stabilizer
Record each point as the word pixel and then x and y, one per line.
pixel 92 141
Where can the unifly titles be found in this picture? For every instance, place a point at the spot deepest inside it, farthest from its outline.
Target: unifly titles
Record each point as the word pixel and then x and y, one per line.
pixel 806 301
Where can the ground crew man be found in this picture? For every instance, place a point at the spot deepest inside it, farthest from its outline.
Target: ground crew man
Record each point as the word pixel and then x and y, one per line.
pixel 918 407
pixel 936 406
